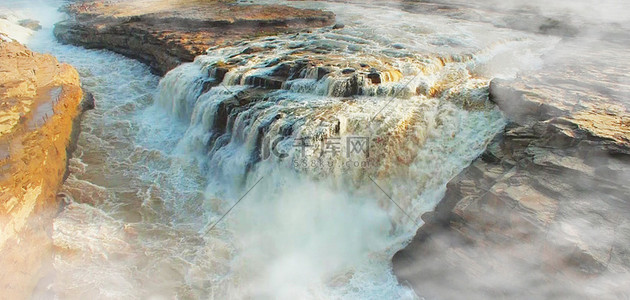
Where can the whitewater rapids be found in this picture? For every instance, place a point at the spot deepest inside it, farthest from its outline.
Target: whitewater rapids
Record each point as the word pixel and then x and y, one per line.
pixel 160 161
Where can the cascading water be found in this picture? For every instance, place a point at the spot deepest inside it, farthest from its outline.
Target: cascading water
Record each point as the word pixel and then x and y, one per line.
pixel 158 165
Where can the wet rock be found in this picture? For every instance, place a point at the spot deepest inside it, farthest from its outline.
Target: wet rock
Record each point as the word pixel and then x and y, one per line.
pixel 219 73
pixel 398 46
pixel 348 71
pixel 323 71
pixel 166 34
pixel 339 26
pixel 349 87
pixel 30 24
pixel 208 84
pixel 250 50
pixel 374 77
pixel 267 82
pixel 282 70
pixel 87 103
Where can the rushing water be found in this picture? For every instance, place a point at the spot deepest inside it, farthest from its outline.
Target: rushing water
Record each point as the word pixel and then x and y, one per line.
pixel 158 163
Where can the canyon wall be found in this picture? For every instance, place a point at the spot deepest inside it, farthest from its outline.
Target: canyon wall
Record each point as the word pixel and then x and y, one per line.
pixel 40 100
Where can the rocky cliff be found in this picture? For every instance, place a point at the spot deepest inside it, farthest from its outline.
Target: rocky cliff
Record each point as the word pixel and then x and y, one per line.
pixel 547 205
pixel 163 34
pixel 39 101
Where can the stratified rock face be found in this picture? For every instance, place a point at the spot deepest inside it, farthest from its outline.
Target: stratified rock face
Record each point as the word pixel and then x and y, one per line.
pixel 39 101
pixel 547 205
pixel 165 34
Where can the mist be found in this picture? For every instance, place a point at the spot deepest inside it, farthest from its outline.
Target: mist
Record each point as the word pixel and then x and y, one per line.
pixel 501 135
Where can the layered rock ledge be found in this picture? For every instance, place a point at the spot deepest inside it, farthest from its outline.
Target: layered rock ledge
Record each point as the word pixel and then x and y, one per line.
pixel 164 34
pixel 39 101
pixel 548 204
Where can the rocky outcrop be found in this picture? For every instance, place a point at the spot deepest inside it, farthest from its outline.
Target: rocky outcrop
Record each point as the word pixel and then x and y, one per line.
pixel 320 64
pixel 164 34
pixel 547 205
pixel 30 24
pixel 39 101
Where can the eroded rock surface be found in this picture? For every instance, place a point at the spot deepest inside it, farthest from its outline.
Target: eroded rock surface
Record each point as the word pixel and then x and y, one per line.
pixel 39 101
pixel 164 34
pixel 544 212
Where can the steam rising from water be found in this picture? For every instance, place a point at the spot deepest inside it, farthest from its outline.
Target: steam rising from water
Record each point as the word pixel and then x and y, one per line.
pixel 157 166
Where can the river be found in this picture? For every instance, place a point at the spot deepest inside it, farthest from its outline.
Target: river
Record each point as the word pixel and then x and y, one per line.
pixel 170 194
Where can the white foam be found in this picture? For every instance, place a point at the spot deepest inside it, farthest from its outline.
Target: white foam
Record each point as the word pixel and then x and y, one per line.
pixel 298 233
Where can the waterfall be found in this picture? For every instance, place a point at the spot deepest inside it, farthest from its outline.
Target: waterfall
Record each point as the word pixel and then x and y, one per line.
pixel 283 167
pixel 247 102
pixel 322 220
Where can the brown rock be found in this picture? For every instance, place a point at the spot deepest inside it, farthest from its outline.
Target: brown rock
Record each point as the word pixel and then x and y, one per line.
pixel 39 101
pixel 165 34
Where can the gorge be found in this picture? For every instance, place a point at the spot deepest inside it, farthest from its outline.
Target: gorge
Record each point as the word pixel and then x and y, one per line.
pixel 295 149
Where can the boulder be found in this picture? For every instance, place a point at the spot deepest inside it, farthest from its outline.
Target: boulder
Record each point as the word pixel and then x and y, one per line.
pixel 30 24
